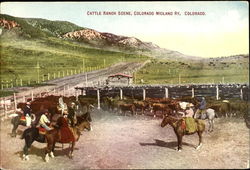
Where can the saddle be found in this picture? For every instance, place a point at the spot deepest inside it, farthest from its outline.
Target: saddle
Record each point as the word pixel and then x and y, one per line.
pixel 23 118
pixel 183 124
pixel 42 130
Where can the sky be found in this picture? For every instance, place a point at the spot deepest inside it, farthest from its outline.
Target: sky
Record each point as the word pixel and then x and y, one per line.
pixel 221 30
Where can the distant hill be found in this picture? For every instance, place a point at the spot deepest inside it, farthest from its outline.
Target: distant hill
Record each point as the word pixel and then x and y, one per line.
pixel 123 43
pixel 42 28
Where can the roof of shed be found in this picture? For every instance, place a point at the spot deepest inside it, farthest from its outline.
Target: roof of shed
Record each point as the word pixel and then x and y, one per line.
pixel 121 75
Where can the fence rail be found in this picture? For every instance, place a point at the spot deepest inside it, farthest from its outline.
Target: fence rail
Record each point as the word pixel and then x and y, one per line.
pixel 219 91
pixel 8 105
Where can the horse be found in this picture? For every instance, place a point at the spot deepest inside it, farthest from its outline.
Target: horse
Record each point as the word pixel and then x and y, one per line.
pixel 209 114
pixel 54 136
pixel 32 134
pixel 176 124
pixel 17 120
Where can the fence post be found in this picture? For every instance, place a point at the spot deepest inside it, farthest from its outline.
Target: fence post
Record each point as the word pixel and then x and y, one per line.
pixel 192 92
pixel 32 96
pixel 11 85
pixel 241 94
pixel 98 99
pixel 21 82
pixel 217 92
pixel 76 95
pixel 166 92
pixel 144 94
pixel 15 104
pixel 86 79
pixel 48 76
pixel 63 90
pixel 5 108
pixel 121 94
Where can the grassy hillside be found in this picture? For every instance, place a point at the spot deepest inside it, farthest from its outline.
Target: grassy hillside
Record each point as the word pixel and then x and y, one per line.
pixel 217 70
pixel 35 43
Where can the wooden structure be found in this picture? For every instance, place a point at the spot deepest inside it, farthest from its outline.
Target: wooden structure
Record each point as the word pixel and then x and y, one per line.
pixel 119 79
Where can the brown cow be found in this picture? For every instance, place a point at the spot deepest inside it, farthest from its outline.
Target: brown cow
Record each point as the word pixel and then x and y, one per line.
pixel 163 108
pixel 123 107
pixel 141 105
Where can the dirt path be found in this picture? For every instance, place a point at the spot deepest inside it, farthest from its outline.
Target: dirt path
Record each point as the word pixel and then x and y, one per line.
pixel 135 142
pixel 78 79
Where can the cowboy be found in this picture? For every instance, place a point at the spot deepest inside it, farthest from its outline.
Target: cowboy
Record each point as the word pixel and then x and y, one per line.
pixel 189 112
pixel 44 120
pixel 202 108
pixel 62 105
pixel 189 120
pixel 27 113
pixel 66 135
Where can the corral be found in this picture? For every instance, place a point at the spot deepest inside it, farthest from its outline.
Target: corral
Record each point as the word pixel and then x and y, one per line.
pixel 135 142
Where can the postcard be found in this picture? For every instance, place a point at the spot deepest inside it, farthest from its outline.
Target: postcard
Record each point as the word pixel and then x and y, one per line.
pixel 124 85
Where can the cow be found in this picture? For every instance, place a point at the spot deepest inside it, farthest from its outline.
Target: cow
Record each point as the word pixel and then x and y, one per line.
pixel 141 105
pixel 160 107
pixel 124 107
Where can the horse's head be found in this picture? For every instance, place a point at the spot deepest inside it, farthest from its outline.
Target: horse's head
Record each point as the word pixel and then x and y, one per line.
pixel 165 121
pixel 84 125
pixel 168 119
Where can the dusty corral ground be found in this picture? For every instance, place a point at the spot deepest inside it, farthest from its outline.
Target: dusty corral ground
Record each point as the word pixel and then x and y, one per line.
pixel 135 142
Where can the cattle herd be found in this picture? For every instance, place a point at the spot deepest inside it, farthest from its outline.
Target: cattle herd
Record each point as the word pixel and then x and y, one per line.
pixel 156 107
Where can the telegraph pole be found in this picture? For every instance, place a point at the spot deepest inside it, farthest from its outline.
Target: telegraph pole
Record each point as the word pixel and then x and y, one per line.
pixel 38 72
pixel 83 65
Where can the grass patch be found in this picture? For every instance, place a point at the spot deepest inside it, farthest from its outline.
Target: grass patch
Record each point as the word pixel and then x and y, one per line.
pixel 166 72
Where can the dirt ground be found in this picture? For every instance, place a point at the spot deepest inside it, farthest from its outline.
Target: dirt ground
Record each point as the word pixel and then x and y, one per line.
pixel 135 142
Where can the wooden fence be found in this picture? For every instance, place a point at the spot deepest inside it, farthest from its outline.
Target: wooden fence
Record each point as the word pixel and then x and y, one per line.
pixel 8 105
pixel 218 91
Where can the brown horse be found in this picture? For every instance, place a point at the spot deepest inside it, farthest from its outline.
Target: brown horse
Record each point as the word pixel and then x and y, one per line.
pixel 32 134
pixel 55 135
pixel 176 123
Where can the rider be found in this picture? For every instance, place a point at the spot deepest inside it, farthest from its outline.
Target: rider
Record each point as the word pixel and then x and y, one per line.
pixel 65 132
pixel 27 113
pixel 44 120
pixel 202 108
pixel 190 122
pixel 62 105
pixel 189 112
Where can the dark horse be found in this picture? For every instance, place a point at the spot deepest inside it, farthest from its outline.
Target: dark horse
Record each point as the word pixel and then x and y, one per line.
pixel 32 134
pixel 176 124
